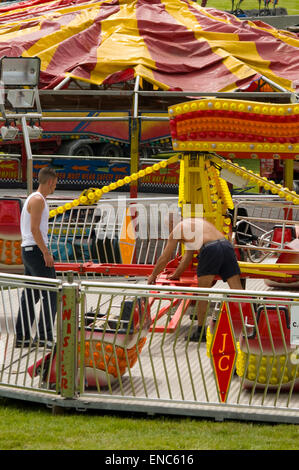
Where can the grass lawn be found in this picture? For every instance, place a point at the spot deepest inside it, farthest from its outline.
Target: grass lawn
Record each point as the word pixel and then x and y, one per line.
pixel 25 426
pixel 292 6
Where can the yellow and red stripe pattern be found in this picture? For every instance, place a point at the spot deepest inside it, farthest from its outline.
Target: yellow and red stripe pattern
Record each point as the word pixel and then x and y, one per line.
pixel 236 128
pixel 170 43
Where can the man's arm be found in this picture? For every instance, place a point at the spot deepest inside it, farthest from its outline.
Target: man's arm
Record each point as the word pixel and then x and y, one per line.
pixel 184 263
pixel 163 259
pixel 36 207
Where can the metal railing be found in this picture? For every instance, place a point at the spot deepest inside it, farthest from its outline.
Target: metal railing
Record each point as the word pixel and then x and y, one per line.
pixel 148 360
pixel 118 230
pixel 264 226
pixel 24 302
pixel 128 346
pixel 127 230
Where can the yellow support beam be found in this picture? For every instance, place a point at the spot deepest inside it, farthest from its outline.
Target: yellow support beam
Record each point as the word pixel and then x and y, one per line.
pixel 266 274
pixel 134 154
pixel 269 266
pixel 203 193
pixel 288 176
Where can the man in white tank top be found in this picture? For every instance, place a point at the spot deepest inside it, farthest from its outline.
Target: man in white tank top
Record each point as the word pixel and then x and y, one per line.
pixel 38 262
pixel 216 256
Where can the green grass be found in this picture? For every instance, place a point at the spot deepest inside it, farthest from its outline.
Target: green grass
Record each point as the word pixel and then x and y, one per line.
pixel 290 5
pixel 26 426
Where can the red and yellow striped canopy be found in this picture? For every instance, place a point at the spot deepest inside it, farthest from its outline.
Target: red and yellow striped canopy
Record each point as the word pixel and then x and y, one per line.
pixel 170 43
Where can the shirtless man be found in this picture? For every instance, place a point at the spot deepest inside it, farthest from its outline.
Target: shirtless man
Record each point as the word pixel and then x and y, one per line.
pixel 216 256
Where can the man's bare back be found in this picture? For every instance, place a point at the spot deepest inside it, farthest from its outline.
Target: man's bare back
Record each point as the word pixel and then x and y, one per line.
pixel 195 232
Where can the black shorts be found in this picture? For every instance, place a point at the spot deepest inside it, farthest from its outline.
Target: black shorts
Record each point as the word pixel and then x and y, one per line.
pixel 218 258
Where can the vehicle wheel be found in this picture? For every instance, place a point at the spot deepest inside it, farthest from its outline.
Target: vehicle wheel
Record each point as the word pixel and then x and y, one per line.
pixel 111 150
pixel 76 148
pixel 146 152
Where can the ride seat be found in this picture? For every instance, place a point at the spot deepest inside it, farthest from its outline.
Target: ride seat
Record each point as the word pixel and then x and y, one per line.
pixel 288 235
pixel 243 230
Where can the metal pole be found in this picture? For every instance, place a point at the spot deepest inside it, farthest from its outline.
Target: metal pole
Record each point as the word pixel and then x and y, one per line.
pixel 288 174
pixel 135 140
pixel 278 87
pixel 62 83
pixel 29 156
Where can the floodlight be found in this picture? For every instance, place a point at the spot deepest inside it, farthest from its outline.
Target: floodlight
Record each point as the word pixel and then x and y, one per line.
pixel 19 77
pixel 232 178
pixel 34 132
pixel 9 132
pixel 20 71
pixel 21 98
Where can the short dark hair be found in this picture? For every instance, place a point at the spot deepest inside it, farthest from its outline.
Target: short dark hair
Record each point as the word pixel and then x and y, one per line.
pixel 46 174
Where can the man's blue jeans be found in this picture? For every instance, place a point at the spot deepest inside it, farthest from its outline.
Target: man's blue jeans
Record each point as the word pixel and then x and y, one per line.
pixel 34 265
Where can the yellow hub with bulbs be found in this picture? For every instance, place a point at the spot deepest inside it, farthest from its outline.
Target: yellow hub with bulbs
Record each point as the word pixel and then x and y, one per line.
pixel 235 128
pixel 268 369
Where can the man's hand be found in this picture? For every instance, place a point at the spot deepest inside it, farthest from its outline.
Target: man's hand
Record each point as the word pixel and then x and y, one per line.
pixel 173 277
pixel 163 259
pixel 151 279
pixel 49 260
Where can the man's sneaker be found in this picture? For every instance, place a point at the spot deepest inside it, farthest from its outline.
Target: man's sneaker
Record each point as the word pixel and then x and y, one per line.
pixel 197 335
pixel 22 343
pixel 42 343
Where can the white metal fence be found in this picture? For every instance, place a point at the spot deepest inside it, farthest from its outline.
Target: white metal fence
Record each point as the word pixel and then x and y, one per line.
pixel 115 231
pixel 24 356
pixel 101 233
pixel 127 346
pixel 263 226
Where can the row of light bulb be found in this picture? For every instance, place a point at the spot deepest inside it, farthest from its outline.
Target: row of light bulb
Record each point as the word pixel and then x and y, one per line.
pixel 261 181
pixel 198 129
pixel 235 106
pixel 10 251
pixel 239 147
pixel 248 127
pixel 112 360
pixel 219 189
pixel 93 195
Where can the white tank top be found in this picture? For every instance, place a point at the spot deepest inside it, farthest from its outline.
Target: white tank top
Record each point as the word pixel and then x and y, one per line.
pixel 27 237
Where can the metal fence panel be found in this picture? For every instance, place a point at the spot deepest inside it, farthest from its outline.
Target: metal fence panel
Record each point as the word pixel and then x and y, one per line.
pixel 115 231
pixel 135 231
pixel 25 362
pixel 263 226
pixel 253 370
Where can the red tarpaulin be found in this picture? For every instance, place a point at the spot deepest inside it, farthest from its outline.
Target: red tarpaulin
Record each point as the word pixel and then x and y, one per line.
pixel 170 43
